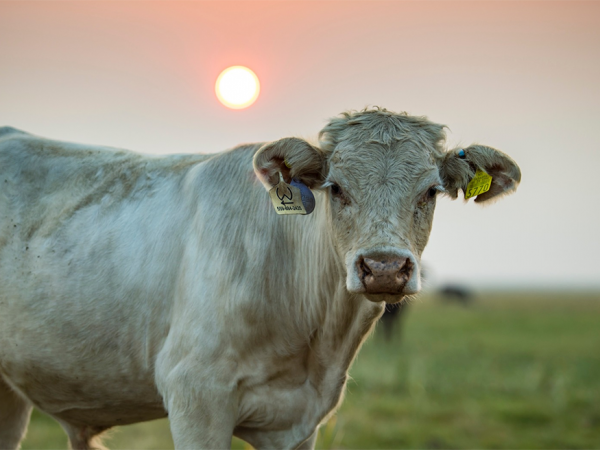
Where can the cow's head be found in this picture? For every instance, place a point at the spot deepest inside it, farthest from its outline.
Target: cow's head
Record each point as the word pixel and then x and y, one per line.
pixel 382 172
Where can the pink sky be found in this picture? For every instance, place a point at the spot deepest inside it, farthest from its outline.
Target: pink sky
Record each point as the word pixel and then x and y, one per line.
pixel 519 76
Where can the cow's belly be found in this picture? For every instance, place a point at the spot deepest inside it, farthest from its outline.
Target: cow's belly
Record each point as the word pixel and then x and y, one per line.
pixel 116 414
pixel 81 348
pixel 96 381
pixel 99 374
pixel 104 400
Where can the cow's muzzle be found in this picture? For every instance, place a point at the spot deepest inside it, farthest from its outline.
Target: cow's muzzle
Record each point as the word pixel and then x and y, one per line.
pixel 384 274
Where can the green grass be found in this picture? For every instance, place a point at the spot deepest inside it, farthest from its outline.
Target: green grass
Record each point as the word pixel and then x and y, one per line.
pixel 512 371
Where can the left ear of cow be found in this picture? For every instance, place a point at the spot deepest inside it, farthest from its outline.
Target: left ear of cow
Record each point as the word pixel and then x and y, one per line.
pixel 293 158
pixel 458 169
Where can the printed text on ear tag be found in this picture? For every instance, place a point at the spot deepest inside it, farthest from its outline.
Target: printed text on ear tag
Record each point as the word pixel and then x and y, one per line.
pixel 286 199
pixel 480 183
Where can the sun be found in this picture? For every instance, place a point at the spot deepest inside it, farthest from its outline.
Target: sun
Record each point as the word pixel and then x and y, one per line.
pixel 237 87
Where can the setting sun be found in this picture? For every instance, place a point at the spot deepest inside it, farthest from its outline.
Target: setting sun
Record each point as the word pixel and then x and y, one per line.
pixel 237 87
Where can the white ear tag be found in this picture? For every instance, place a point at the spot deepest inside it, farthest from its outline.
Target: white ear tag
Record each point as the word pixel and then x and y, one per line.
pixel 292 198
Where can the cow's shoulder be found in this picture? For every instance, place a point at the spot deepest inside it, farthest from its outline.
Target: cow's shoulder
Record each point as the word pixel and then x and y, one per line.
pixel 231 169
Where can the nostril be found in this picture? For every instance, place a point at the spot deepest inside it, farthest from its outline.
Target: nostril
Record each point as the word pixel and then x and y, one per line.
pixel 364 267
pixel 406 268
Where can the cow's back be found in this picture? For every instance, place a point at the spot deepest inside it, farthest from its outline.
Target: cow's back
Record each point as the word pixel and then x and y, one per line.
pixel 45 181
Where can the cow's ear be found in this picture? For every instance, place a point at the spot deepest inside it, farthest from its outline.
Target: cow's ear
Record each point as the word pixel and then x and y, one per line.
pixel 293 158
pixel 459 167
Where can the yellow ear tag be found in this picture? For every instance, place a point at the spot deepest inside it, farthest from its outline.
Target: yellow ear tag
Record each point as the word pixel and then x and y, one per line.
pixel 480 184
pixel 287 199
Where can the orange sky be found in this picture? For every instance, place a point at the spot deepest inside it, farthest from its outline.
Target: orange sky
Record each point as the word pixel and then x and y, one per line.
pixel 520 76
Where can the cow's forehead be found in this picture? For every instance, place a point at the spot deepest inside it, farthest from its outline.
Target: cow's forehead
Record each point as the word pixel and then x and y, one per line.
pixel 380 147
pixel 404 164
pixel 396 153
pixel 353 129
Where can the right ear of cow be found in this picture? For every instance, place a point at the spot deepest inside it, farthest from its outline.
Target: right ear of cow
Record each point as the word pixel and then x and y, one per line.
pixel 293 158
pixel 459 168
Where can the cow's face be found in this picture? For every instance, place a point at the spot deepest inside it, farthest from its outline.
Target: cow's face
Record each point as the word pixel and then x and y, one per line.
pixel 382 198
pixel 382 173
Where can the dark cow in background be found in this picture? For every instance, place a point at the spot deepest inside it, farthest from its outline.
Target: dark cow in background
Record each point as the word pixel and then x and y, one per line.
pixel 392 318
pixel 457 293
pixel 394 315
pixel 132 286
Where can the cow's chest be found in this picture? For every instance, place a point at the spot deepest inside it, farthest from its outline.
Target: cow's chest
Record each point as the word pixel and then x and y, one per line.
pixel 292 394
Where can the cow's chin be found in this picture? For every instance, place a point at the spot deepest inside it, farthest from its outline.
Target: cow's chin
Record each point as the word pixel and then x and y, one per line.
pixel 388 298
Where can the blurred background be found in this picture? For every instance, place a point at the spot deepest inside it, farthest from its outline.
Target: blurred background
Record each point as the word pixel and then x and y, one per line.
pixel 502 351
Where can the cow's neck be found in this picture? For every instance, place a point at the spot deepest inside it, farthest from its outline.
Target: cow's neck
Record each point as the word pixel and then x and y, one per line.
pixel 304 335
pixel 339 322
pixel 348 323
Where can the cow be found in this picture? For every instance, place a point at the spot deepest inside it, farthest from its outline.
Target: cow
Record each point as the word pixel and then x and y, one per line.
pixel 392 315
pixel 456 293
pixel 137 287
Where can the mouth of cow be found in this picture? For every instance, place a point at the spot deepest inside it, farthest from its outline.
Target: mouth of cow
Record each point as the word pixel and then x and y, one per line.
pixel 387 298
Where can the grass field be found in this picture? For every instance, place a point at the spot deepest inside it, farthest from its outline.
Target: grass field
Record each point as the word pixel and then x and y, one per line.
pixel 512 371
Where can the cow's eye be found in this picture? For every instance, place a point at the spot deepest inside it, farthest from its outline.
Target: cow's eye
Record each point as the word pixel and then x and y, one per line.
pixel 432 192
pixel 338 194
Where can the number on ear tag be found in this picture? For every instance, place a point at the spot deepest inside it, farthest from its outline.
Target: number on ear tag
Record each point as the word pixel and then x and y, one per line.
pixel 480 184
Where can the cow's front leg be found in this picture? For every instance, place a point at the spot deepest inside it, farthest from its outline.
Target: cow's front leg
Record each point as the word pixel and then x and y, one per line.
pixel 201 417
pixel 204 426
pixel 14 417
pixel 201 412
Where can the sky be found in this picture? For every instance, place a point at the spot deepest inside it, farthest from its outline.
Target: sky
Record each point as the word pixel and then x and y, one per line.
pixel 523 77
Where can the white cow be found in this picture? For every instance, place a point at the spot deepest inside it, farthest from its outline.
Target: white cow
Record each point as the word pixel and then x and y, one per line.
pixel 135 287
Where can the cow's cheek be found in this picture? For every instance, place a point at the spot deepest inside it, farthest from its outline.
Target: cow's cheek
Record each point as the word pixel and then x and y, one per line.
pixel 422 223
pixel 344 225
